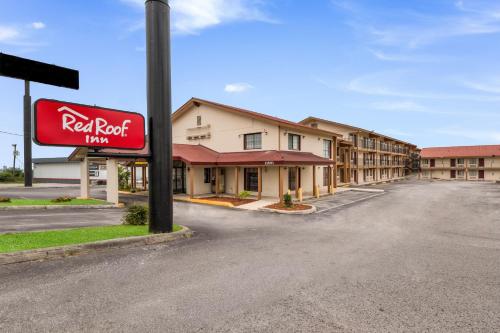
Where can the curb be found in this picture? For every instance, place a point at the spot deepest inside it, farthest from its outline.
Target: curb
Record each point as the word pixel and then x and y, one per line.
pixel 59 207
pixel 71 250
pixel 291 212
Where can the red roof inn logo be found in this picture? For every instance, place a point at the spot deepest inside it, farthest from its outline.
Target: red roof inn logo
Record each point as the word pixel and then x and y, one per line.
pixel 67 124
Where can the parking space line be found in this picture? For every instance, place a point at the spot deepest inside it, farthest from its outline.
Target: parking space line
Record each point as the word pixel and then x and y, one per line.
pixel 350 203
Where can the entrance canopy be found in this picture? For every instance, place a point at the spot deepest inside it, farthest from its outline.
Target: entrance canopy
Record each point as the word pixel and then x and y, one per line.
pixel 201 155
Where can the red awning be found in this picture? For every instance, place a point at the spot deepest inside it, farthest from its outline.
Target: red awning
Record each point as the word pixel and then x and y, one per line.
pixel 201 155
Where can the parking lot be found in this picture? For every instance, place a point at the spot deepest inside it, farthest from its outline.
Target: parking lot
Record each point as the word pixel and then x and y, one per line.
pixel 423 256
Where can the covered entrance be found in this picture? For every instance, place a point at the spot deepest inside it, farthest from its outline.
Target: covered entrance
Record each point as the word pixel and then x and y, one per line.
pixel 179 177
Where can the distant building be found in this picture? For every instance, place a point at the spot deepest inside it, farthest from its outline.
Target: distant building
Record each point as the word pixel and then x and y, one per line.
pixel 476 163
pixel 63 171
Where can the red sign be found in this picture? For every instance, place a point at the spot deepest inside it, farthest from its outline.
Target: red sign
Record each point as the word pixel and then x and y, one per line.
pixel 67 124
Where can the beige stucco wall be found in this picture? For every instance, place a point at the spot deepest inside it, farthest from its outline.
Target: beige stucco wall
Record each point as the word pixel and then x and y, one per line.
pixel 227 131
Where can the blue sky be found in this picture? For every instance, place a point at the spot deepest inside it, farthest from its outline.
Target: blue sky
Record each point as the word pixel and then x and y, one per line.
pixel 424 71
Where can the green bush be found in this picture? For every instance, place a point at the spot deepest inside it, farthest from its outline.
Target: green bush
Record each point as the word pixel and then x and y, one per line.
pixel 136 215
pixel 287 198
pixel 244 194
pixel 7 176
pixel 62 199
pixel 4 199
pixel 123 178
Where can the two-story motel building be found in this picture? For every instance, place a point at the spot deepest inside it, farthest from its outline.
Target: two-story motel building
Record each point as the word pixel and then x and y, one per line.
pixel 476 163
pixel 223 150
pixel 366 156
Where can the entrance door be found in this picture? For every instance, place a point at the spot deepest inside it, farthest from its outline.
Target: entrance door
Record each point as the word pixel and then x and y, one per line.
pixel 453 162
pixel 481 162
pixel 453 174
pixel 179 177
pixel 433 163
pixel 481 174
pixel 293 182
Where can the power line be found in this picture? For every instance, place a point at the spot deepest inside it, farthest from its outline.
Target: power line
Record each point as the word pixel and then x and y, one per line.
pixel 10 133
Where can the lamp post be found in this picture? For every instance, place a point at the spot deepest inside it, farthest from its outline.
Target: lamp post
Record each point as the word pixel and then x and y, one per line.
pixel 159 115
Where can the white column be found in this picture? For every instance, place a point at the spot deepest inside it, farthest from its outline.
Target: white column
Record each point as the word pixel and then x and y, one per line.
pixel 112 181
pixel 84 179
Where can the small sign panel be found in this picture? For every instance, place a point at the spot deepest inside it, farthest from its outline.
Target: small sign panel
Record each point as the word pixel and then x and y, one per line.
pixel 67 124
pixel 31 70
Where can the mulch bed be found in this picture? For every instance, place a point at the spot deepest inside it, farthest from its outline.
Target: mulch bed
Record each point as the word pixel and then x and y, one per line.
pixel 295 207
pixel 234 201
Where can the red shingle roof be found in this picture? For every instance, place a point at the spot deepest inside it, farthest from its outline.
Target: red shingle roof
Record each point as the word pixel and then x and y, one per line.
pixel 461 151
pixel 201 155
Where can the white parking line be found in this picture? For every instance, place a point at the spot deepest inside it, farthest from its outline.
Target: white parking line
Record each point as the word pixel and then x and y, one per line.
pixel 350 203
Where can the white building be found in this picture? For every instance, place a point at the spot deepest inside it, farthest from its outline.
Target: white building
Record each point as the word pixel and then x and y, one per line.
pixel 61 170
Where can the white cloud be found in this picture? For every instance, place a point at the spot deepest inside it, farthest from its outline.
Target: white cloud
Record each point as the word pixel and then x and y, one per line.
pixel 237 87
pixel 192 16
pixel 408 106
pixel 487 136
pixel 8 34
pixel 38 25
pixel 486 86
pixel 380 55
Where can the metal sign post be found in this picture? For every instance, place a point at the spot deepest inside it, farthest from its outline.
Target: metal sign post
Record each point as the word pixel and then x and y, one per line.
pixel 28 171
pixel 159 116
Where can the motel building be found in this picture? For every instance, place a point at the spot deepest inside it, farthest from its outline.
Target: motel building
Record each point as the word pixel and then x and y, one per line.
pixel 367 157
pixel 223 150
pixel 472 163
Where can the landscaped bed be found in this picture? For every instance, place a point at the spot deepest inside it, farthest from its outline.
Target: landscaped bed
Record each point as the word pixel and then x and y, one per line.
pixel 50 202
pixel 44 239
pixel 293 207
pixel 231 200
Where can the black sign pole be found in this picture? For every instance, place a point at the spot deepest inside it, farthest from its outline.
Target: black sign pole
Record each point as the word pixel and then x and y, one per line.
pixel 28 171
pixel 159 115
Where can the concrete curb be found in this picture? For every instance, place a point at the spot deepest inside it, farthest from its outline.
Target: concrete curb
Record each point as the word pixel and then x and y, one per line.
pixel 60 207
pixel 71 250
pixel 291 212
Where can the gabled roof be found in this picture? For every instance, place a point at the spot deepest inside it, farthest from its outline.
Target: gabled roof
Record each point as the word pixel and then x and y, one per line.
pixel 316 119
pixel 461 151
pixel 252 114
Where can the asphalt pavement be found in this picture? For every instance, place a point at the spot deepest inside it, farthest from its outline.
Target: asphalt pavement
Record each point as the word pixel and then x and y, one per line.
pixel 422 257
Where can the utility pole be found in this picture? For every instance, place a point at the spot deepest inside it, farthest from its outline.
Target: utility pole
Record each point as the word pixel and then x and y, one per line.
pixel 15 153
pixel 159 115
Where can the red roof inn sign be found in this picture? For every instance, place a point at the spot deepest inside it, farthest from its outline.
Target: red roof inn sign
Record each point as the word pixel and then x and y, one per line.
pixel 67 124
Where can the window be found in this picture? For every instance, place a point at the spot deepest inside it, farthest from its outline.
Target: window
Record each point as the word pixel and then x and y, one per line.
pixel 293 142
pixel 253 141
pixel 198 120
pixel 314 125
pixel 473 173
pixel 207 175
pixel 326 176
pixel 460 161
pixel 473 161
pixel 251 179
pixel 460 173
pixel 327 149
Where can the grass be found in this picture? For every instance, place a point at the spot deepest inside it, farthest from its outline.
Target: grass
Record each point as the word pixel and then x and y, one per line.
pixel 42 239
pixel 48 202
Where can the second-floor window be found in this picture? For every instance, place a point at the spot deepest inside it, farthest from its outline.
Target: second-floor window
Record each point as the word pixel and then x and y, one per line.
pixel 327 149
pixel 253 141
pixel 293 142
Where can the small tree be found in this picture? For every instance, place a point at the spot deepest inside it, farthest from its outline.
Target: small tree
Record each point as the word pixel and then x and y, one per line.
pixel 287 198
pixel 123 177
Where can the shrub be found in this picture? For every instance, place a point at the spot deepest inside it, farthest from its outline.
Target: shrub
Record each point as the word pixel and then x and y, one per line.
pixel 62 199
pixel 287 198
pixel 123 178
pixel 244 194
pixel 136 215
pixel 4 199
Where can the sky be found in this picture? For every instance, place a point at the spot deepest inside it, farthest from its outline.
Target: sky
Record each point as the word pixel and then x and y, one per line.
pixel 423 71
